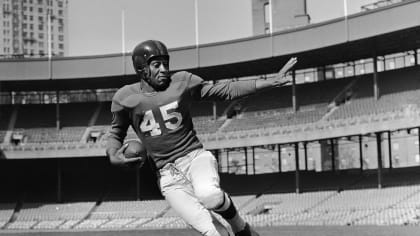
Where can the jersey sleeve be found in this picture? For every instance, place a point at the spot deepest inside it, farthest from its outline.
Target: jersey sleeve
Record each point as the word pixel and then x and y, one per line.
pixel 119 124
pixel 229 90
pixel 118 130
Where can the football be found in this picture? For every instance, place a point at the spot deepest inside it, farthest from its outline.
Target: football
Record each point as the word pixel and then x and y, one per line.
pixel 135 149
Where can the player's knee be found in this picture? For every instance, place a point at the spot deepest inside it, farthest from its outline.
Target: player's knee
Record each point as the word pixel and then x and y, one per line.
pixel 210 197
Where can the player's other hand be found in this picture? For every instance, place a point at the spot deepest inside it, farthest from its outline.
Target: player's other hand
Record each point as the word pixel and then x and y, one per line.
pixel 281 78
pixel 117 157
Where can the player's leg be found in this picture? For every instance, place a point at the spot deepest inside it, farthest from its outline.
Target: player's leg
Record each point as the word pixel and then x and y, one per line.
pixel 178 193
pixel 206 183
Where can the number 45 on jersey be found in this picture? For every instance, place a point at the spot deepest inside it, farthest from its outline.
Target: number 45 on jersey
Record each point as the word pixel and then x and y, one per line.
pixel 171 119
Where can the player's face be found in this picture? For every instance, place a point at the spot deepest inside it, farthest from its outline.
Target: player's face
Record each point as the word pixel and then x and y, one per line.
pixel 159 73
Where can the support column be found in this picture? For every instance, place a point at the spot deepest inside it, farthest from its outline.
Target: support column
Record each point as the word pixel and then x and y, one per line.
pixel 379 150
pixel 253 159
pixel 279 155
pixel 390 150
pixel 214 111
pixel 227 160
pixel 246 160
pixel 57 110
pixel 294 96
pixel 216 155
pixel 214 105
pixel 297 177
pixel 354 68
pixel 332 154
pixel 361 152
pixel 418 133
pixel 375 77
pixel 305 148
pixel 416 60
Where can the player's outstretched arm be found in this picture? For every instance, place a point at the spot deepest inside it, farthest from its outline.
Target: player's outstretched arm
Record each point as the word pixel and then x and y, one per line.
pixel 280 79
pixel 117 157
pixel 230 90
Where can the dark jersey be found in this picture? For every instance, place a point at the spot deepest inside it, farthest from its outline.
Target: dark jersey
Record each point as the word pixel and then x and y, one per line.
pixel 162 120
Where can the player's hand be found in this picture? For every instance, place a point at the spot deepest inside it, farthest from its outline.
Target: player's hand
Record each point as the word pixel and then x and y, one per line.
pixel 118 157
pixel 281 78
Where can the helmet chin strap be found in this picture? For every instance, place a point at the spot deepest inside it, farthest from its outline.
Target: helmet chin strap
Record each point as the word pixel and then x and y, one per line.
pixel 147 75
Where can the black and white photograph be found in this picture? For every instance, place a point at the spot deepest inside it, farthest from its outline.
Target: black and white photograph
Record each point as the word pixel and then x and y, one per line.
pixel 209 117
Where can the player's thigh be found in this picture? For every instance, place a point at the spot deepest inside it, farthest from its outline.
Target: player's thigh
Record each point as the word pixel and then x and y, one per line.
pixel 188 207
pixel 204 170
pixel 205 180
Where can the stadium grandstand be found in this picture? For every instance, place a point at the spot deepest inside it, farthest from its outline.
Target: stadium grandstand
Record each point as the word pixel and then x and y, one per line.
pixel 340 146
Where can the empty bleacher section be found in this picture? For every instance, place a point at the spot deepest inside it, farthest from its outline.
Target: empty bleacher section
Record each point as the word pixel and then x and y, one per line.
pixel 52 135
pixel 277 118
pixel 129 209
pixel 206 125
pixel 329 100
pixel 36 123
pixel 51 216
pixel 307 94
pixel 350 207
pixel 56 211
pixel 112 214
pixel 6 211
pixel 360 206
pixel 388 206
pixel 207 120
pixel 388 103
pixel 274 108
pixel 165 223
pixel 397 89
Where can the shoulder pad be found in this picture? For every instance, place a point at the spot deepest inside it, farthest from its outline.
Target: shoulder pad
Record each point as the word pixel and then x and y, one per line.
pixel 181 74
pixel 125 97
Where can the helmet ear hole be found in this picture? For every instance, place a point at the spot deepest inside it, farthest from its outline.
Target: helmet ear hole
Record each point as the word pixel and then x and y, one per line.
pixel 143 72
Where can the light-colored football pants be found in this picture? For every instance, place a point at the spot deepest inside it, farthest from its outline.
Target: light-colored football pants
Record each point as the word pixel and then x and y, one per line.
pixel 191 187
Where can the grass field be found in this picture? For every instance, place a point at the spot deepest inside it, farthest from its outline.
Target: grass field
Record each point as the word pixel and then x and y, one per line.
pixel 266 231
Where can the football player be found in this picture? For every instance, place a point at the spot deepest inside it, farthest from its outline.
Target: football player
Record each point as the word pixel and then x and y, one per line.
pixel 158 109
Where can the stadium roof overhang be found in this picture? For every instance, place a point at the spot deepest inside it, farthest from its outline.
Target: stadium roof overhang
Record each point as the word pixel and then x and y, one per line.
pixel 383 31
pixel 398 41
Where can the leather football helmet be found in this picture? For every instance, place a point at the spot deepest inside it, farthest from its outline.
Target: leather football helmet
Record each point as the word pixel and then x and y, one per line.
pixel 145 51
